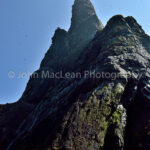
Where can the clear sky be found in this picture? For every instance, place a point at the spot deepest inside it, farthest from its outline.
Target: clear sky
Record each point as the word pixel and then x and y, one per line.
pixel 26 28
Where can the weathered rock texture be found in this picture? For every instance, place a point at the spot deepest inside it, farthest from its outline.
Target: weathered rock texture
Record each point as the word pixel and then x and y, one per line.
pixel 110 112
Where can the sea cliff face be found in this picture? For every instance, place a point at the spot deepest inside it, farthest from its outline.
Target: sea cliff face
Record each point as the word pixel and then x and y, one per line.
pixel 104 106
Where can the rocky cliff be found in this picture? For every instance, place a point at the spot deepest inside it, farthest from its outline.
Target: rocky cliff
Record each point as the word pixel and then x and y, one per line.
pixel 100 99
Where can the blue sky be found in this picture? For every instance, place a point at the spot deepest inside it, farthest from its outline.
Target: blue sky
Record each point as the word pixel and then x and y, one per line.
pixel 26 28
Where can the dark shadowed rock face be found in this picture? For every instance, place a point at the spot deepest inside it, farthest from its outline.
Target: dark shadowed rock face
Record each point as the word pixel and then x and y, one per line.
pixel 110 112
pixel 66 48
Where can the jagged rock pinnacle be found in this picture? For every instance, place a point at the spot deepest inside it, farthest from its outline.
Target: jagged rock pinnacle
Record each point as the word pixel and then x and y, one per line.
pixel 84 24
pixel 91 95
pixel 82 11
